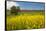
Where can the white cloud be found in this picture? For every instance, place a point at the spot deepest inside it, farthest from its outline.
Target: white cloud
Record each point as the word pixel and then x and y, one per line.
pixel 10 4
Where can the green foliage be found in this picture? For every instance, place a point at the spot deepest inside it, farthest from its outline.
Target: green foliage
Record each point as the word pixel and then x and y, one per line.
pixel 14 10
pixel 8 12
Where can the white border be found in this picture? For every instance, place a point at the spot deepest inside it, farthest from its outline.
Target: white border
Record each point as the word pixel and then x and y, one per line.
pixel 2 15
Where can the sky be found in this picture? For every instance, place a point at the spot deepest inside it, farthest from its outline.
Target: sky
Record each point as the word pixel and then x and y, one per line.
pixel 26 5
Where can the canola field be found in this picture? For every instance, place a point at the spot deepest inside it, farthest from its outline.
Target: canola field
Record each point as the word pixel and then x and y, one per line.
pixel 26 21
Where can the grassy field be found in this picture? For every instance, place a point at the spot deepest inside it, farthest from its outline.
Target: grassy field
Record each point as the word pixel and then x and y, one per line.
pixel 26 20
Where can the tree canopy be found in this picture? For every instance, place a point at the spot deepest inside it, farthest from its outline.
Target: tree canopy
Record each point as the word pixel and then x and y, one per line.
pixel 14 10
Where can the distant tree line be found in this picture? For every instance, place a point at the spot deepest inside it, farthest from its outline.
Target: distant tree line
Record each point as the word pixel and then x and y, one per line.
pixel 14 10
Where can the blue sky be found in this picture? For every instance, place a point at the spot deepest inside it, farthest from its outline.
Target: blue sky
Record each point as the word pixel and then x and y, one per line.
pixel 31 6
pixel 26 5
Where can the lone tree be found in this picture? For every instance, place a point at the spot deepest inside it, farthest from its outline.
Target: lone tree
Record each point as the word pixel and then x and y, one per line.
pixel 14 10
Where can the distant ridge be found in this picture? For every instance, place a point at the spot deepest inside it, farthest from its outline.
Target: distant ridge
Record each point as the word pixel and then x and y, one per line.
pixel 30 10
